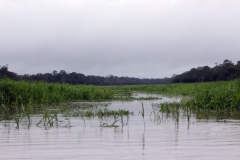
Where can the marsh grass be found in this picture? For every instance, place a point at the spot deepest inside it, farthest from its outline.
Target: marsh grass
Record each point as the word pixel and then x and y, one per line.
pixel 5 114
pixel 219 100
pixel 142 114
pixel 19 99
pixel 16 93
pixel 17 119
pixel 168 110
pixel 156 114
pixel 107 118
pixel 49 118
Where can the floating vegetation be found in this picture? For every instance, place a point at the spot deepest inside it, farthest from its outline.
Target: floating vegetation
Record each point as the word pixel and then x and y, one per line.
pixel 101 112
pixel 146 98
pixel 104 115
pixel 50 115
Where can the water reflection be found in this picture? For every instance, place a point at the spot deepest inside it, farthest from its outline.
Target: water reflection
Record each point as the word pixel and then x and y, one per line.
pixel 85 139
pixel 143 143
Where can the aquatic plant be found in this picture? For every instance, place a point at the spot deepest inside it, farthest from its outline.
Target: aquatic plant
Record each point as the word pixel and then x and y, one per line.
pixel 156 114
pixel 17 119
pixel 16 93
pixel 142 114
pixel 104 124
pixel 220 102
pixel 49 117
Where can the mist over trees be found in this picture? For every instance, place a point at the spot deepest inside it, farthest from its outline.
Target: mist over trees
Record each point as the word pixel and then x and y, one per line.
pixel 78 78
pixel 221 72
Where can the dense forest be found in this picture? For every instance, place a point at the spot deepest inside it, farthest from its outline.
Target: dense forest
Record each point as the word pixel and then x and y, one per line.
pixel 78 78
pixel 221 72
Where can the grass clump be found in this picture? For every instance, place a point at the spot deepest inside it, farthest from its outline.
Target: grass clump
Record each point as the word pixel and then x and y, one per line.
pixel 18 93
pixel 221 102
pixel 167 110
pixel 218 100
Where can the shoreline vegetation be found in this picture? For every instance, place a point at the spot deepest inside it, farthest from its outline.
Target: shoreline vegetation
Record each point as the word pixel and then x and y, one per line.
pixel 220 72
pixel 78 78
pixel 20 98
pixel 221 98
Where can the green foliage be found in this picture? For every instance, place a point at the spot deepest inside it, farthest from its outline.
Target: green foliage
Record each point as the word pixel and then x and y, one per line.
pixel 21 92
pixel 78 78
pixel 212 99
pixel 15 94
pixel 221 72
pixel 142 114
pixel 221 101
pixel 169 109
pixel 49 118
pixel 101 113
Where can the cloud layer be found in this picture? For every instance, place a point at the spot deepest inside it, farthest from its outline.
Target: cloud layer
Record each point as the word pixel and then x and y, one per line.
pixel 136 38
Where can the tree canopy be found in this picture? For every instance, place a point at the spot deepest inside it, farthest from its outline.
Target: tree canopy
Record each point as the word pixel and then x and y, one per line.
pixel 78 78
pixel 221 72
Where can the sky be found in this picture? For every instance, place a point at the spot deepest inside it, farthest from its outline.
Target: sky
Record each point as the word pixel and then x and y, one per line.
pixel 134 38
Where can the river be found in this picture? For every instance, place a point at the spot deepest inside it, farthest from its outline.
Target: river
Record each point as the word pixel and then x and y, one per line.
pixel 78 139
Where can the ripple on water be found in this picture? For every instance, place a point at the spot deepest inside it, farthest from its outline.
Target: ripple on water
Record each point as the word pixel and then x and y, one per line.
pixel 201 140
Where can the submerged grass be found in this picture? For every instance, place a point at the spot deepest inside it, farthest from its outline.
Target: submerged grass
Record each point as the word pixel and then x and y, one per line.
pixel 20 99
pixel 107 118
pixel 15 94
pixel 142 114
pixel 49 118
pixel 21 92
pixel 221 102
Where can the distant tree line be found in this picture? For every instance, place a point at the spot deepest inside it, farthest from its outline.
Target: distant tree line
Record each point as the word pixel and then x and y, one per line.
pixel 5 73
pixel 220 72
pixel 78 78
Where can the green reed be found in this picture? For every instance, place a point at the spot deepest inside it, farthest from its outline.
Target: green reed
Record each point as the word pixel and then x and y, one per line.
pixel 156 114
pixel 221 101
pixel 142 114
pixel 20 99
pixel 49 118
pixel 16 93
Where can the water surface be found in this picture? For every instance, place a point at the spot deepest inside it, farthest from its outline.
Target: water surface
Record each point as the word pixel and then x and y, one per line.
pixel 167 140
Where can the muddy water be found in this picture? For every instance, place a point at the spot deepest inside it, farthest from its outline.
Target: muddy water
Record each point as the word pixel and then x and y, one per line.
pixel 167 140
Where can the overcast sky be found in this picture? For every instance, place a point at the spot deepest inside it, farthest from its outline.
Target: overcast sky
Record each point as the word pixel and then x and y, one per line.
pixel 135 38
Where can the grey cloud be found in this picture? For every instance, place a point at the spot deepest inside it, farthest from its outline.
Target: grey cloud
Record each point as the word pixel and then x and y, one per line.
pixel 146 38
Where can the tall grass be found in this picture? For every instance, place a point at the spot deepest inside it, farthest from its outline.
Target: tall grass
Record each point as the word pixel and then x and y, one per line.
pixel 142 114
pixel 185 89
pixel 222 101
pixel 212 99
pixel 18 93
